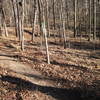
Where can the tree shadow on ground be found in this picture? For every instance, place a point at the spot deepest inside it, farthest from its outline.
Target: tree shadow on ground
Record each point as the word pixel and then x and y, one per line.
pixel 95 55
pixel 84 45
pixel 19 57
pixel 57 93
pixel 69 65
pixel 27 31
pixel 30 33
pixel 79 45
pixel 50 79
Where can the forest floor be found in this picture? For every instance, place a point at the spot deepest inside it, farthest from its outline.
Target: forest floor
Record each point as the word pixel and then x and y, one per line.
pixel 74 73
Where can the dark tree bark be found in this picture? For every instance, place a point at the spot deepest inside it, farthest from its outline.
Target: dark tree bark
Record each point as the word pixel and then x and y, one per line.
pixel 94 19
pixel 75 18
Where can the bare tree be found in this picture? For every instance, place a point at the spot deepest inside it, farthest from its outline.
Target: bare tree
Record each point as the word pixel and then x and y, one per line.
pixel 18 8
pixel 34 17
pixel 45 34
pixel 75 18
pixel 94 19
pixel 89 36
pixel 14 4
pixel 3 19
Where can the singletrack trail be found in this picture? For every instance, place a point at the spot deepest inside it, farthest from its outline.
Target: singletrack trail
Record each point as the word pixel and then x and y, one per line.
pixel 25 70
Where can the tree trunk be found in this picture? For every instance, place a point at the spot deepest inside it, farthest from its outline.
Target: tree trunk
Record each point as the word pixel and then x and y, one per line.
pixel 34 18
pixel 40 21
pixel 75 18
pixel 4 22
pixel 89 36
pixel 14 4
pixel 22 27
pixel 53 8
pixel 64 23
pixel 94 20
pixel 45 35
pixel 86 14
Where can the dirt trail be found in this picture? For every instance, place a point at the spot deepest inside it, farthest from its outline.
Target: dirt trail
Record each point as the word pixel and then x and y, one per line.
pixel 25 70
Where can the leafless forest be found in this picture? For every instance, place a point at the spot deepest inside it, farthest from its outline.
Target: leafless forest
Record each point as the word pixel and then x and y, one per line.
pixel 49 49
